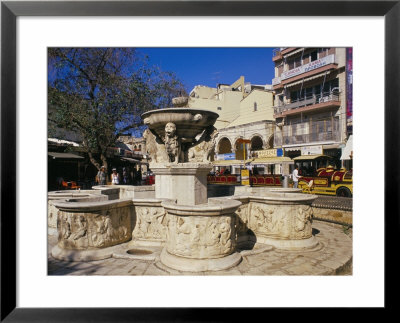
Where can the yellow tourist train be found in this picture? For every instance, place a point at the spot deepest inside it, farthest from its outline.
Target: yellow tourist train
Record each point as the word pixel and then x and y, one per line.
pixel 318 177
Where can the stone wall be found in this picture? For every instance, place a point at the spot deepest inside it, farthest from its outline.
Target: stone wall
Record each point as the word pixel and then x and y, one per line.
pixel 335 216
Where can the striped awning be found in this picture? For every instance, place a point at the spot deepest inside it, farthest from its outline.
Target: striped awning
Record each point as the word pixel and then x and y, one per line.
pixel 309 157
pixel 307 79
pixel 232 162
pixel 293 53
pixel 271 160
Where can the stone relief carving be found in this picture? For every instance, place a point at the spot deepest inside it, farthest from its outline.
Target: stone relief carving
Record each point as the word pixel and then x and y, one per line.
pixel 155 147
pixel 80 231
pixel 303 221
pixel 63 226
pixel 201 237
pixel 268 220
pixel 173 149
pixel 110 229
pixel 72 230
pixel 282 222
pixel 150 223
pixel 204 147
pixel 81 227
pixel 173 144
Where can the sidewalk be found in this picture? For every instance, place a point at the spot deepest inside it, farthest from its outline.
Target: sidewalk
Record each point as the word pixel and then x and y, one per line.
pixel 333 256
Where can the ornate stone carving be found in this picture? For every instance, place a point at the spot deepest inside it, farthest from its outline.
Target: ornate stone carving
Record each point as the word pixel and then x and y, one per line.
pixel 201 237
pixel 303 221
pixel 203 148
pixel 72 230
pixel 93 230
pixel 281 221
pixel 173 144
pixel 150 223
pixel 155 147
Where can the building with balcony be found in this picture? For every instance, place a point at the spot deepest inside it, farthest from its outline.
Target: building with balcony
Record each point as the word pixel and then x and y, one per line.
pixel 311 103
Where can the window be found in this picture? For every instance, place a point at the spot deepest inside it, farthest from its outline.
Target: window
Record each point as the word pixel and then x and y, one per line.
pixel 297 62
pixel 219 108
pixel 291 64
pixel 323 52
pixel 317 89
pixel 293 96
pixel 255 106
pixel 314 56
pixel 309 92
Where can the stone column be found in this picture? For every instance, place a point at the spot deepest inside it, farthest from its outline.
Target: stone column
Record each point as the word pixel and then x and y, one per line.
pixel 185 182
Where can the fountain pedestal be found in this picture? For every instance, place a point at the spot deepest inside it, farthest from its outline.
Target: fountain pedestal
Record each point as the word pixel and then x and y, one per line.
pixel 184 182
pixel 201 233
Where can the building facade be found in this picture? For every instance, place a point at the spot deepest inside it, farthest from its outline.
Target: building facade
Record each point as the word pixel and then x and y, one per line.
pixel 311 107
pixel 246 117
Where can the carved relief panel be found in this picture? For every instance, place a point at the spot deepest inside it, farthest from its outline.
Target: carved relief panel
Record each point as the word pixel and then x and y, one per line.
pixel 93 230
pixel 150 223
pixel 201 237
pixel 281 221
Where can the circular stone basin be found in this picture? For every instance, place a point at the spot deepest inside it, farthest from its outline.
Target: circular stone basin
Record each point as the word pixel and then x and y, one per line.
pixel 139 252
pixel 189 122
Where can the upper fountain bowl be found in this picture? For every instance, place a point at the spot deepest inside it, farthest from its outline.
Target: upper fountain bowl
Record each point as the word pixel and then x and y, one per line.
pixel 189 122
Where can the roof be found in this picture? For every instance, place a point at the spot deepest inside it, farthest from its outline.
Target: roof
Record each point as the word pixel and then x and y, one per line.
pixel 60 141
pixel 310 157
pixel 271 160
pixel 56 155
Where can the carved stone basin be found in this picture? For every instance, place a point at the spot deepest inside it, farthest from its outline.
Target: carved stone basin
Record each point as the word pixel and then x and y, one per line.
pixel 189 122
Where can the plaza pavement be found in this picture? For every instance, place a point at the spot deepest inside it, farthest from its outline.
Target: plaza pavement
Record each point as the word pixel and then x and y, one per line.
pixel 333 256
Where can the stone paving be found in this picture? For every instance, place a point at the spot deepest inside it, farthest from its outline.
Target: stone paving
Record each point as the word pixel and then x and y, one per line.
pixel 333 256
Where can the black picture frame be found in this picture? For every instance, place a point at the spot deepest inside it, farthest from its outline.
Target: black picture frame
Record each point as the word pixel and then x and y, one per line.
pixel 10 10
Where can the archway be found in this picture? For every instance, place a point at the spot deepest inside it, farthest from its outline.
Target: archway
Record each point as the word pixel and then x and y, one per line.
pixel 270 142
pixel 224 146
pixel 241 150
pixel 256 143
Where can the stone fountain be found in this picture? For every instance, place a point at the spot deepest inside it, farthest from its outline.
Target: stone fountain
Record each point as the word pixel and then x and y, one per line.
pixel 195 233
pixel 201 233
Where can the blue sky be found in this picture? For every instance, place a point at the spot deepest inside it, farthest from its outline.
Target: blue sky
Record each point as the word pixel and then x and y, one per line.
pixel 209 66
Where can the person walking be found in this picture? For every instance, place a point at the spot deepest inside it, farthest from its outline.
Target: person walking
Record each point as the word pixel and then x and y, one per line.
pixel 114 177
pixel 296 176
pixel 125 176
pixel 101 176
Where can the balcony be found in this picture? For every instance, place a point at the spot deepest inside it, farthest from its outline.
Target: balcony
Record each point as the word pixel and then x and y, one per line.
pixel 322 131
pixel 324 100
pixel 276 54
pixel 320 137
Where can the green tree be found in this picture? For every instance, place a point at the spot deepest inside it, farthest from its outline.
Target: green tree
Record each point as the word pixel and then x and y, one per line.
pixel 100 93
